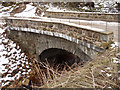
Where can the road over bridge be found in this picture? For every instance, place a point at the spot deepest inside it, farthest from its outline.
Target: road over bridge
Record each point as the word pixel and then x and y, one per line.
pixel 36 36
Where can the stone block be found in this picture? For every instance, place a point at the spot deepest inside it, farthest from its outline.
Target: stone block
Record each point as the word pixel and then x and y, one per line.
pixel 98 44
pixel 104 37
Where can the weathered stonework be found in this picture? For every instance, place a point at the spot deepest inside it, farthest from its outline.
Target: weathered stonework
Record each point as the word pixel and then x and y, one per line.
pixel 83 15
pixel 36 36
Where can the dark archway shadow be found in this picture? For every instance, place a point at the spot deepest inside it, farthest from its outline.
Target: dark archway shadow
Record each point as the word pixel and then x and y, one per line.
pixel 58 58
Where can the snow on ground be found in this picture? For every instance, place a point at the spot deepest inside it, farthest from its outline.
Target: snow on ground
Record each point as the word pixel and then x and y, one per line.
pixel 104 4
pixel 42 14
pixel 11 55
pixel 4 14
pixel 28 12
pixel 115 60
pixel 57 9
pixel 108 75
pixel 11 59
pixel 102 71
pixel 5 11
pixel 5 8
pixel 51 8
pixel 115 44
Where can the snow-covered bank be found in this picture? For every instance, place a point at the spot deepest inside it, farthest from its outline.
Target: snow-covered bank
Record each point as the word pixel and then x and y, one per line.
pixel 5 11
pixel 104 6
pixel 12 60
pixel 28 12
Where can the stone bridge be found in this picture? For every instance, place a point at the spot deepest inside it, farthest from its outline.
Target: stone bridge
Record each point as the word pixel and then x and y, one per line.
pixel 36 36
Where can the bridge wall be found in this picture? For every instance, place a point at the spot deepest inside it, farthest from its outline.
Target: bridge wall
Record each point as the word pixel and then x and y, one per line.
pixel 37 36
pixel 83 15
pixel 35 44
pixel 71 30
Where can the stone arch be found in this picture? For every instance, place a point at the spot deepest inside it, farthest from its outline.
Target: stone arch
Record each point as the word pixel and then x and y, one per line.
pixel 35 44
pixel 48 42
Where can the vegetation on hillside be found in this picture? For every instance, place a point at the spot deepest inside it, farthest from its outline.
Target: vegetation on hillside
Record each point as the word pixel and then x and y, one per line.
pixel 102 6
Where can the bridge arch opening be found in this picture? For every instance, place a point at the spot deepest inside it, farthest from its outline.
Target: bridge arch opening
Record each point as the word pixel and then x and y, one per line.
pixel 58 58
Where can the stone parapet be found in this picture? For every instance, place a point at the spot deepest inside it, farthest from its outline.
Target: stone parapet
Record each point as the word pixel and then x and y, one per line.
pixel 113 17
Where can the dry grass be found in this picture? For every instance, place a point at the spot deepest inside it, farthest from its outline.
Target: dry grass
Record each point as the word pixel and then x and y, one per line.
pixel 92 75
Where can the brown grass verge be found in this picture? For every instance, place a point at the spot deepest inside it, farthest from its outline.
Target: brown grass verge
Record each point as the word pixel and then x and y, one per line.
pixel 94 74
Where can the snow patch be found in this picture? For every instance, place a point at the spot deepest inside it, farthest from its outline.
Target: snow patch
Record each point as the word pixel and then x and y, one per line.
pixel 108 75
pixel 102 71
pixel 10 58
pixel 114 45
pixel 108 68
pixel 28 12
